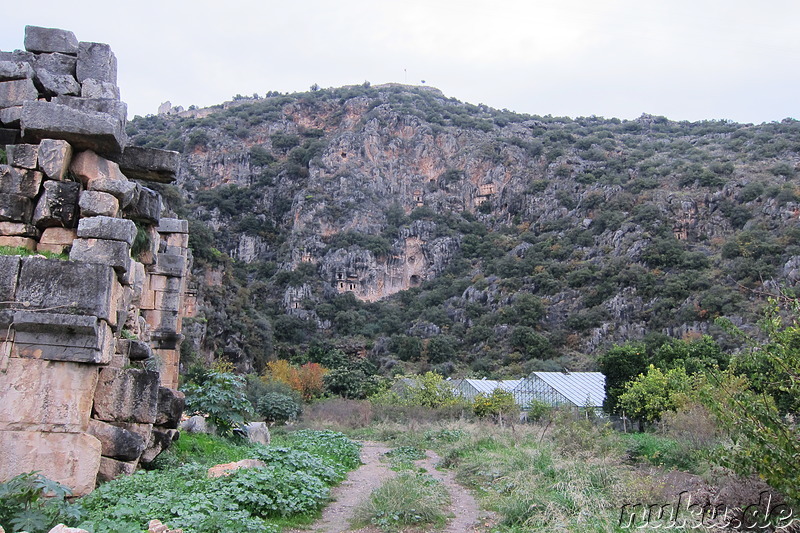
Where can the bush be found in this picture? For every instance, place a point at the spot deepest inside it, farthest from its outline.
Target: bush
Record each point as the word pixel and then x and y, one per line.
pixel 33 503
pixel 278 408
pixel 221 397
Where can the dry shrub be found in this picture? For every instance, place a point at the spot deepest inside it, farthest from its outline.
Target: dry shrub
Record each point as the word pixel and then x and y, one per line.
pixel 418 414
pixel 692 424
pixel 339 413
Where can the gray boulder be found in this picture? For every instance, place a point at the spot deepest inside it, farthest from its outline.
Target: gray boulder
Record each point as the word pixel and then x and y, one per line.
pixel 58 84
pixel 257 432
pixel 56 205
pixel 150 164
pixel 38 39
pixel 115 254
pixel 96 203
pixel 84 130
pixel 15 70
pixel 15 208
pixel 108 228
pixel 96 61
pixel 92 88
pixel 23 155
pixel 115 108
pixel 195 424
pixel 17 92
pixel 54 158
pixel 148 207
pixel 116 442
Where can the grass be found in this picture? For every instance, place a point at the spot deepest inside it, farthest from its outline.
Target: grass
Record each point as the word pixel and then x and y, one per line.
pixel 410 499
pixel 22 251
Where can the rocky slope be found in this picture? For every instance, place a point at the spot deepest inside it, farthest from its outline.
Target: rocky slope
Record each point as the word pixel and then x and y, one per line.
pixel 423 231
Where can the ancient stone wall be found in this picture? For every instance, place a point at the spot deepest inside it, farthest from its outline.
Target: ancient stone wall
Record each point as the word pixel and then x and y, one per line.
pixel 90 329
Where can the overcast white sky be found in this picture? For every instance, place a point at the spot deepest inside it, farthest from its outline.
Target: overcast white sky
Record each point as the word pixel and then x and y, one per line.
pixel 685 59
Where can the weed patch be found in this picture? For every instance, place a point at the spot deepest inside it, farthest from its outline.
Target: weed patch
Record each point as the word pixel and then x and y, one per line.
pixel 409 500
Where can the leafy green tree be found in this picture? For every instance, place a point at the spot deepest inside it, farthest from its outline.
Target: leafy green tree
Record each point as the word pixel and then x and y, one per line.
pixel 758 399
pixel 621 364
pixel 441 349
pixel 649 395
pixel 500 403
pixel 222 398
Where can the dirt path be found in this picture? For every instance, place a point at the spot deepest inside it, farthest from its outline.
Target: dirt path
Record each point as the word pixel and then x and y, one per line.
pixel 361 482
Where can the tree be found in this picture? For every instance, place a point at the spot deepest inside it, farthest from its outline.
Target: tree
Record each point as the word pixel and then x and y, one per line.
pixel 649 395
pixel 499 404
pixel 757 400
pixel 621 364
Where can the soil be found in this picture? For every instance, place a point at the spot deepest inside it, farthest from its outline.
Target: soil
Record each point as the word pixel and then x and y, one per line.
pixel 466 515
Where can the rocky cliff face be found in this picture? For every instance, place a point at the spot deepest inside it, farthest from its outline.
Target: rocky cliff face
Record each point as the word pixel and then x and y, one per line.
pixel 415 203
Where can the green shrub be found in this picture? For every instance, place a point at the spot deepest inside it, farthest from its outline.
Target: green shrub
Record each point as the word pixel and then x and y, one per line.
pixel 299 461
pixel 33 503
pixel 278 408
pixel 661 451
pixel 222 398
pixel 331 444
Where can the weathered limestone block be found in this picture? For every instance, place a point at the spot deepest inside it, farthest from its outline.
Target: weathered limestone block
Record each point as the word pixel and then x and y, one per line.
pixel 159 319
pixel 92 88
pixel 167 301
pixel 17 229
pixel 195 424
pixel 56 205
pixel 96 61
pixel 9 274
pixel 150 164
pixel 10 116
pixel 17 92
pixel 55 63
pixel 15 208
pixel 88 166
pixel 126 192
pixel 169 265
pixel 170 407
pixel 58 84
pixel 85 130
pixel 148 207
pixel 83 288
pixel 18 242
pixel 136 280
pixel 38 39
pixel 41 395
pixel 18 55
pixel 23 155
pixel 61 528
pixel 56 240
pixel 96 203
pixel 173 225
pixel 115 108
pixel 20 181
pixel 228 468
pixel 126 395
pixel 170 367
pixel 55 157
pixel 116 254
pixel 159 441
pixel 134 350
pixel 60 337
pixel 166 284
pixel 112 469
pixel 258 433
pixel 72 459
pixel 176 240
pixel 15 70
pixel 117 443
pixel 108 228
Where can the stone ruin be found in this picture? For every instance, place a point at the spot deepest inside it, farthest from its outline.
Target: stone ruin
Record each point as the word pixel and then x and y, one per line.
pixel 89 339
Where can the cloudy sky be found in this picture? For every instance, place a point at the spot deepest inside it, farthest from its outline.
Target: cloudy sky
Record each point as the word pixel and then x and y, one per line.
pixel 685 59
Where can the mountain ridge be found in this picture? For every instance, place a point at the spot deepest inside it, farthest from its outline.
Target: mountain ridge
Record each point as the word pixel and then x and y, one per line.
pixel 475 240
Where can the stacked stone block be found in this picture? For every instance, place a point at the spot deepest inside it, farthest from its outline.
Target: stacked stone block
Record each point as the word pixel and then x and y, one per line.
pixel 88 345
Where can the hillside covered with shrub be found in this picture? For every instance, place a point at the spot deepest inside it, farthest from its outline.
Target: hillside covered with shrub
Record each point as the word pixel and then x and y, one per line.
pixel 417 232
